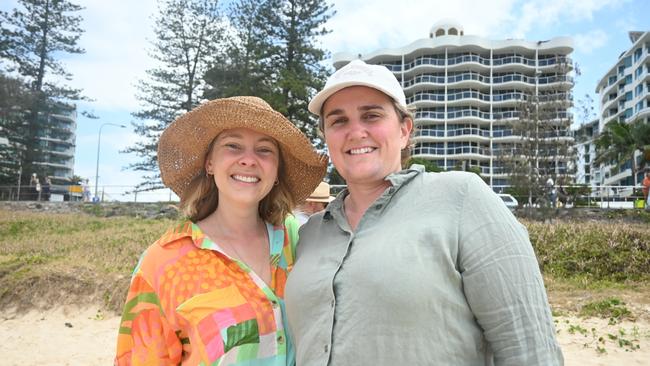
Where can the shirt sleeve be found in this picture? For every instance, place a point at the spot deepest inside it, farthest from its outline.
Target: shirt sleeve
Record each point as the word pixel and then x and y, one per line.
pixel 502 281
pixel 145 335
pixel 292 226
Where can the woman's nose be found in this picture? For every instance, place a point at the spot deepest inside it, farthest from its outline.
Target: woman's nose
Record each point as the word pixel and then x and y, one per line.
pixel 247 158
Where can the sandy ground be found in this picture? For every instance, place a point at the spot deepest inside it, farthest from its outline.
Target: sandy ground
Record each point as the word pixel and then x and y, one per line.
pixel 43 338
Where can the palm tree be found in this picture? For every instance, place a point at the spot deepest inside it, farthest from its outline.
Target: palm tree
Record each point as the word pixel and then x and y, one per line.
pixel 620 141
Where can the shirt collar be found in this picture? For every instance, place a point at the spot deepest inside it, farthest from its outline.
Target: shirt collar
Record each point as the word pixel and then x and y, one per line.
pixel 191 230
pixel 396 179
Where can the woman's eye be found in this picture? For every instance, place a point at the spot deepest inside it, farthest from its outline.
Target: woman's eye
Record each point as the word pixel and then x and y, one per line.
pixel 232 146
pixel 337 121
pixel 371 116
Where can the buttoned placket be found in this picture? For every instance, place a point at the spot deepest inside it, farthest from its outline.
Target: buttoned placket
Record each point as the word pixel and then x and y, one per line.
pixel 337 214
pixel 276 243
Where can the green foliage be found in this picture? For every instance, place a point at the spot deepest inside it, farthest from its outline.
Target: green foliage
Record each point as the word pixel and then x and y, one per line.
pixel 543 148
pixel 429 165
pixel 619 141
pixel 188 39
pixel 33 37
pixel 607 308
pixel 592 251
pixel 274 54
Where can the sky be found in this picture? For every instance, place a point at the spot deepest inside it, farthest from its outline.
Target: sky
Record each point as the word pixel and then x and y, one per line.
pixel 118 35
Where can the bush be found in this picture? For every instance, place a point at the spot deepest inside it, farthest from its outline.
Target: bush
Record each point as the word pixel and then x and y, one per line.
pixel 592 250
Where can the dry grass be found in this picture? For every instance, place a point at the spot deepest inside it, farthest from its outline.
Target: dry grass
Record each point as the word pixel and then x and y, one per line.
pixel 68 258
pixel 57 259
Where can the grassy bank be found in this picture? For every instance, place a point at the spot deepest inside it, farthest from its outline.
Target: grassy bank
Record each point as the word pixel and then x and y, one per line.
pixel 70 258
pixel 48 259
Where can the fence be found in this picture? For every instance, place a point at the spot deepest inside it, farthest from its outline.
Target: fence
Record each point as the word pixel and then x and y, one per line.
pixel 601 196
pixel 109 193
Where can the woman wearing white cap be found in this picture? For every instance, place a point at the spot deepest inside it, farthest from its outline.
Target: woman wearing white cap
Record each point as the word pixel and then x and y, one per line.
pixel 210 291
pixel 406 267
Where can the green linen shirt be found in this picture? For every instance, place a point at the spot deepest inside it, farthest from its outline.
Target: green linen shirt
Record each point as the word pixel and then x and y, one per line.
pixel 437 272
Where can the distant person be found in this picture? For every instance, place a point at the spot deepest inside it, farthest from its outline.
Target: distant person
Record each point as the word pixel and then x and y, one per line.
pixel 210 291
pixel 35 187
pixel 552 192
pixel 316 202
pixel 407 267
pixel 646 188
pixel 85 189
pixel 46 188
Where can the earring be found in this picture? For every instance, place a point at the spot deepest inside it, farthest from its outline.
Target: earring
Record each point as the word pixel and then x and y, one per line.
pixel 277 181
pixel 207 174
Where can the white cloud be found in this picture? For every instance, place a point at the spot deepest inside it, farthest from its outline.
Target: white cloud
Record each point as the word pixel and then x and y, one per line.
pixel 367 26
pixel 586 43
pixel 116 43
pixel 543 13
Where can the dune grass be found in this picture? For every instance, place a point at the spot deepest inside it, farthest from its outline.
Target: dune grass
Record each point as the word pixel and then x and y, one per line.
pixel 57 259
pixel 70 257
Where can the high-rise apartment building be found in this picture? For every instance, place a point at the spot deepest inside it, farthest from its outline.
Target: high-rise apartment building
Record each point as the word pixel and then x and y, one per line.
pixel 585 138
pixel 58 144
pixel 467 92
pixel 625 97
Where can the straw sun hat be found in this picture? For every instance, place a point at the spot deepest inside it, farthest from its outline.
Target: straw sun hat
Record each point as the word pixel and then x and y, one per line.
pixel 184 144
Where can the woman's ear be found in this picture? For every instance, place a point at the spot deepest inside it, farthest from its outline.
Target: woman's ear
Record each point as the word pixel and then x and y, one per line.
pixel 406 127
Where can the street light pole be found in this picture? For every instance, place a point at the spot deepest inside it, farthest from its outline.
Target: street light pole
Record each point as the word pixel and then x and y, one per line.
pixel 99 140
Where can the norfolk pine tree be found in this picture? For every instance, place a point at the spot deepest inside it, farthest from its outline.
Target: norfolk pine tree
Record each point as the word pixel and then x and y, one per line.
pixel 296 58
pixel 30 39
pixel 188 37
pixel 275 56
pixel 244 69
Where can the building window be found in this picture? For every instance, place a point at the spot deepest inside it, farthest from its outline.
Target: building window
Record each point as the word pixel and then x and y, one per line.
pixel 637 54
pixel 440 32
pixel 453 32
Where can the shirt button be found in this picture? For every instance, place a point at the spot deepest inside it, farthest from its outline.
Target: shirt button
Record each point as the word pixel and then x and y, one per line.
pixel 280 339
pixel 274 303
pixel 332 303
pixel 326 348
pixel 378 207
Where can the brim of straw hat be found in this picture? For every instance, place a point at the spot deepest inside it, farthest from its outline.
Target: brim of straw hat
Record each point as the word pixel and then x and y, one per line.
pixel 184 144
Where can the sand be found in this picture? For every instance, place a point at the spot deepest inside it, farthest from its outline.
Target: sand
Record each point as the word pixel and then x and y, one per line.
pixel 43 338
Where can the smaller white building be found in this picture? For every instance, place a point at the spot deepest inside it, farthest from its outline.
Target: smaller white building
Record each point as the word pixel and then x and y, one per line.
pixel 585 143
pixel 625 96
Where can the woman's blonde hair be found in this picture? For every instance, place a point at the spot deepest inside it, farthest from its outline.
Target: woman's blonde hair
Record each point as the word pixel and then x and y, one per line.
pixel 201 197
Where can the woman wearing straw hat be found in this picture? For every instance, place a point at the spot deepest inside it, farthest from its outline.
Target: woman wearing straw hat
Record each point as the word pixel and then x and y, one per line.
pixel 210 291
pixel 406 267
pixel 316 202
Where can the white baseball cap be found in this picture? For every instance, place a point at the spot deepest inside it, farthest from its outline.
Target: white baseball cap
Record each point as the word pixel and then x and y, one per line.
pixel 358 73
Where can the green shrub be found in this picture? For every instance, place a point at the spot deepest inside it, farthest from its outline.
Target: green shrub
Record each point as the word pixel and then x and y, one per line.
pixel 599 251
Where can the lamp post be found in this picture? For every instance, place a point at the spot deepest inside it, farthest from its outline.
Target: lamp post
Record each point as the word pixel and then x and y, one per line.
pixel 99 140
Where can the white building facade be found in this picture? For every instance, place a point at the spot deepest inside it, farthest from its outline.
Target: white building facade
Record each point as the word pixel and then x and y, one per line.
pixel 466 90
pixel 585 138
pixel 58 144
pixel 624 93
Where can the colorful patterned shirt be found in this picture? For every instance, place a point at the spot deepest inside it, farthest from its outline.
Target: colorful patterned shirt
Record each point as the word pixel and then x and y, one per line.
pixel 191 304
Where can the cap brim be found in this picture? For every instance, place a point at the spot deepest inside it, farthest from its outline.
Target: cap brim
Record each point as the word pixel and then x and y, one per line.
pixel 316 104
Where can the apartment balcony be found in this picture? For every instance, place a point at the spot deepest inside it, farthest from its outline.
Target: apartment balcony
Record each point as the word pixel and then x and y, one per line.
pixel 473 134
pixel 557 61
pixel 423 99
pixel 468 79
pixel 424 63
pixel 468 114
pixel 461 152
pixel 423 82
pixel 429 115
